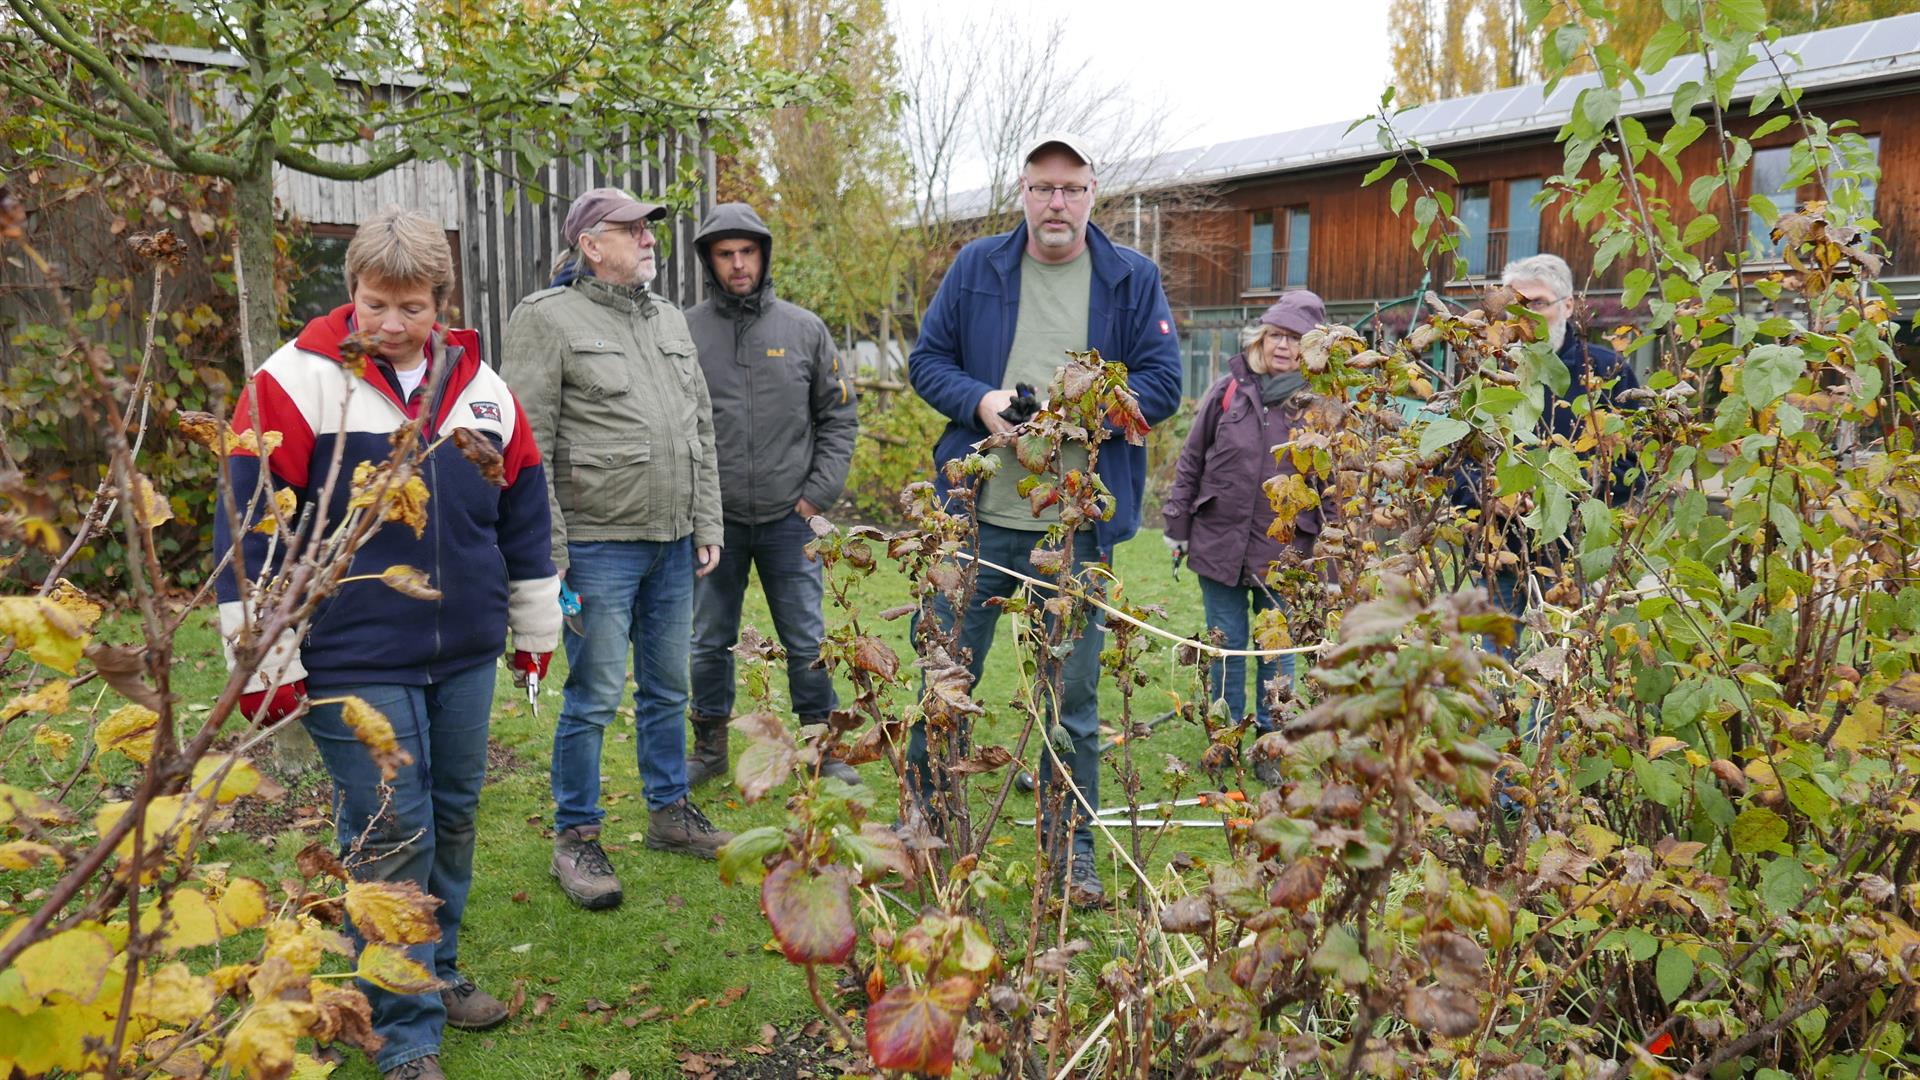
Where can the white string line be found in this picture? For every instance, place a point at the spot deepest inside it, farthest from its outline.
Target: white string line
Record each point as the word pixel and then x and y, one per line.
pixel 1123 616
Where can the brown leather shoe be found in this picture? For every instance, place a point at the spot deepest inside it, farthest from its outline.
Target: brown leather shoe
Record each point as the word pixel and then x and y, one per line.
pixel 470 1008
pixel 426 1068
pixel 583 870
pixel 682 828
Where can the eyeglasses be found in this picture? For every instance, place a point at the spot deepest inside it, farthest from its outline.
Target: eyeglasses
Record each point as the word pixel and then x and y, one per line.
pixel 1540 303
pixel 1044 193
pixel 631 228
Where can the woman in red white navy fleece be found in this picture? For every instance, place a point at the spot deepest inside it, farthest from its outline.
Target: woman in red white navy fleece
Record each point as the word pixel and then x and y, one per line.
pixel 427 665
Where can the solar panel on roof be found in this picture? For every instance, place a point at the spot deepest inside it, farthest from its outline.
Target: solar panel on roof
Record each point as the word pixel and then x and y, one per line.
pixel 1869 50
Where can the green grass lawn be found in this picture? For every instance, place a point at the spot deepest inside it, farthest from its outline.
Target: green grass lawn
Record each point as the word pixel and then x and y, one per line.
pixel 627 986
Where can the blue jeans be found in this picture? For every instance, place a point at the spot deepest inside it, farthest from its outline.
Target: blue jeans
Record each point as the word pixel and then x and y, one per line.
pixel 422 832
pixel 1230 609
pixel 634 594
pixel 793 586
pixel 1079 677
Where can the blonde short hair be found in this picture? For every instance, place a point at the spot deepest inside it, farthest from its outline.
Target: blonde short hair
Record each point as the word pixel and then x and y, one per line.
pixel 401 247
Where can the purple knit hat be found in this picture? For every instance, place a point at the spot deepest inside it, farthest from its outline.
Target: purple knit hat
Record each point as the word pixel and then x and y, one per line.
pixel 1296 312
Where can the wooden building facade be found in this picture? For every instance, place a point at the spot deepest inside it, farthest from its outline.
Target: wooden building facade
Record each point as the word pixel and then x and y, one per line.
pixel 1301 219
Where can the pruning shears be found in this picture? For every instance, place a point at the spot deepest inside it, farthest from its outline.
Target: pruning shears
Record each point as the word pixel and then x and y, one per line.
pixel 533 693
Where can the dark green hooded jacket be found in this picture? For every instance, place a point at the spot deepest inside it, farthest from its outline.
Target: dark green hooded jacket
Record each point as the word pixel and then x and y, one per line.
pixel 783 404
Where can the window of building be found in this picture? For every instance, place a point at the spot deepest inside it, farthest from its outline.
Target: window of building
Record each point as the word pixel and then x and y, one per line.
pixel 1277 246
pixel 1769 181
pixel 1299 230
pixel 1523 220
pixel 1475 209
pixel 1260 253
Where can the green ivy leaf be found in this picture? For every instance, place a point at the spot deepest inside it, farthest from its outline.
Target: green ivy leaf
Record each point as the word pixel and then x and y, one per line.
pixel 1757 829
pixel 1672 973
pixel 1659 780
pixel 741 858
pixel 1783 882
pixel 1770 371
pixel 1339 957
pixel 1441 433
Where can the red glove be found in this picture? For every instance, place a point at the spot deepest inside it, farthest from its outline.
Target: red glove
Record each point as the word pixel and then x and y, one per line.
pixel 284 701
pixel 526 663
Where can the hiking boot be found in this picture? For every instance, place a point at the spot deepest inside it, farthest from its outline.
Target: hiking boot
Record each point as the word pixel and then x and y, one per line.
pixel 709 756
pixel 840 771
pixel 426 1068
pixel 682 828
pixel 470 1008
pixel 1083 884
pixel 583 871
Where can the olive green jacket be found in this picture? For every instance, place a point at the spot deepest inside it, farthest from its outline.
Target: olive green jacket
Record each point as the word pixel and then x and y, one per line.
pixel 609 381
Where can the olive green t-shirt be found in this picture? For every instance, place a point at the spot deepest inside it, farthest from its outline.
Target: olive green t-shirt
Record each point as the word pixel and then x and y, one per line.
pixel 1053 322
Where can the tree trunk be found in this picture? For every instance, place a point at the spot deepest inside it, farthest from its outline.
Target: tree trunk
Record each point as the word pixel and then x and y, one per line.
pixel 253 266
pixel 293 750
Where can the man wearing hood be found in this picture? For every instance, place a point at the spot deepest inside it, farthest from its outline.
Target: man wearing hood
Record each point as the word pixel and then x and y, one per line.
pixel 784 425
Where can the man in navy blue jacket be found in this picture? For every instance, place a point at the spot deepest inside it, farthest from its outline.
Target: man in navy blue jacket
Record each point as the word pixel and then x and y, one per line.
pixel 1007 312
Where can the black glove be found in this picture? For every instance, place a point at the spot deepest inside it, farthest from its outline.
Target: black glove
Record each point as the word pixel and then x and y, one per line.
pixel 1023 406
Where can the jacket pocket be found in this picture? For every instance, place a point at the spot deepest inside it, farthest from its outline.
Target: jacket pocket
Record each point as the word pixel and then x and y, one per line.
pixel 598 367
pixel 607 483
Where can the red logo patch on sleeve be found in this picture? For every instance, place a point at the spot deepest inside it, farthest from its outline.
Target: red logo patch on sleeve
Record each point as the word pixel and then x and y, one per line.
pixel 1164 328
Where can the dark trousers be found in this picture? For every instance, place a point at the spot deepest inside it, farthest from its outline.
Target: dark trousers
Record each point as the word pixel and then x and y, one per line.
pixel 792 582
pixel 1079 678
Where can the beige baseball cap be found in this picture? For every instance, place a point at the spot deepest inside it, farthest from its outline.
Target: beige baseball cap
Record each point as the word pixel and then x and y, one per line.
pixel 1073 144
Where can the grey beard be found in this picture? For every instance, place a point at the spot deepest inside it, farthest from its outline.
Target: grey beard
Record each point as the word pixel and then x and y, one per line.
pixel 1557 335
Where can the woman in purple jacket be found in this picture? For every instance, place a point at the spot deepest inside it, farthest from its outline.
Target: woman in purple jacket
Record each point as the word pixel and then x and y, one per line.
pixel 1217 515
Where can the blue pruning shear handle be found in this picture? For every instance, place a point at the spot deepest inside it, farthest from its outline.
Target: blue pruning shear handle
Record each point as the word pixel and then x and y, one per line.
pixel 570 608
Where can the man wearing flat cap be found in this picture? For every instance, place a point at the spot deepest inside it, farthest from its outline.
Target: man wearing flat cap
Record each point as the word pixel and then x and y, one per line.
pixel 607 375
pixel 1007 313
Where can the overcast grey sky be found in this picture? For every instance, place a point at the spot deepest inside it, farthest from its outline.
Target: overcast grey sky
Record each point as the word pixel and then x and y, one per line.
pixel 1227 69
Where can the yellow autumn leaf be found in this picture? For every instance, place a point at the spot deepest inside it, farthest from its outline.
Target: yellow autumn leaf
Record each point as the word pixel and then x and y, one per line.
pixel 185 921
pixel 252 443
pixel 19 802
pixel 128 729
pixel 409 581
pixel 280 514
pixel 1289 496
pixel 50 699
pixel 239 779
pixel 1867 723
pixel 27 855
pixel 63 1039
pixel 231 977
pixel 397 912
pixel 73 600
pixel 242 906
pixel 57 744
pixel 307 1067
pixel 48 632
pixel 402 498
pixel 72 963
pixel 173 994
pixel 150 507
pixel 1663 744
pixel 389 968
pixel 372 728
pixel 261 1046
pixel 304 943
pixel 170 820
